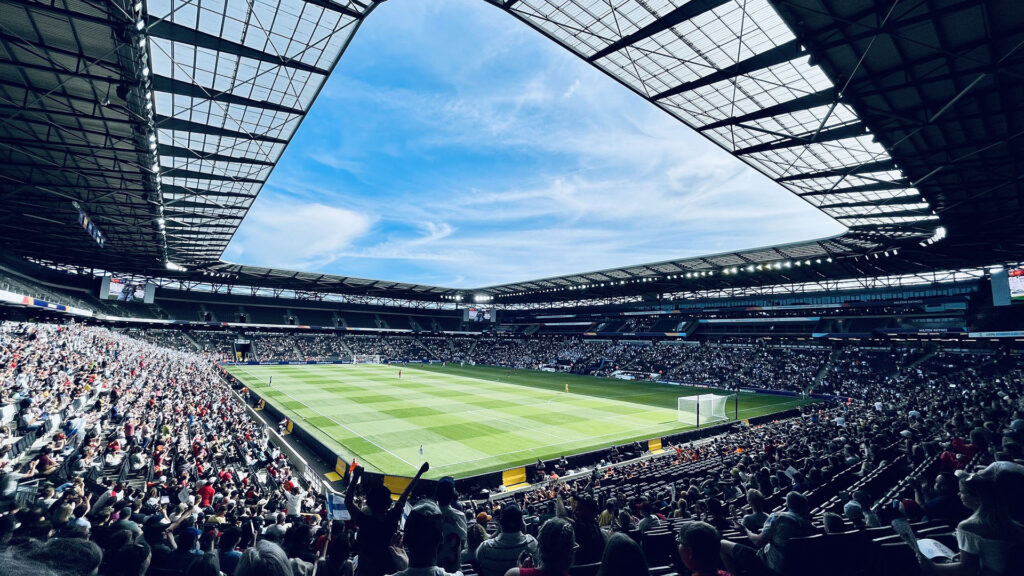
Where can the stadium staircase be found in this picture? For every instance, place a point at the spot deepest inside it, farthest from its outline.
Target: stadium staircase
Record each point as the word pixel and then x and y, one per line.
pixel 430 349
pixel 192 340
pixel 926 357
pixel 159 312
pixel 532 328
pixel 825 368
pixel 687 326
pixel 346 348
pixel 380 322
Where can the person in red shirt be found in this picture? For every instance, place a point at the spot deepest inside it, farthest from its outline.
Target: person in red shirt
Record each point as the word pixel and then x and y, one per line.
pixel 205 493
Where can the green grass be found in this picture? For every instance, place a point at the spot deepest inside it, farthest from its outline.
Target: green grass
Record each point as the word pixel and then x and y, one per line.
pixel 472 419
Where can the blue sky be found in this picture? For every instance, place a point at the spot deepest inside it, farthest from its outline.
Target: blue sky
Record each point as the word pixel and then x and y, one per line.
pixel 455 146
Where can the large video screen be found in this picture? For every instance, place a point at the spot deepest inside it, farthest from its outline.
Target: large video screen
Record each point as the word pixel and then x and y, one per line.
pixel 1015 276
pixel 124 290
pixel 478 315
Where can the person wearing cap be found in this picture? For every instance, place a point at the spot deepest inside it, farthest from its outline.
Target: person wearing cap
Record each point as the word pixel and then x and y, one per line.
pixel 483 518
pixel 205 493
pixel 423 540
pixel 496 556
pixel 293 499
pixel 990 540
pixel 453 527
pixel 476 533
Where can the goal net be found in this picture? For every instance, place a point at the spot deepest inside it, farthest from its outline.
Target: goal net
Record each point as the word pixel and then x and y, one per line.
pixel 703 409
pixel 366 358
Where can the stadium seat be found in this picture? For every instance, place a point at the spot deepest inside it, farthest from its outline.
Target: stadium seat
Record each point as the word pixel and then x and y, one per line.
pixel 584 569
pixel 659 547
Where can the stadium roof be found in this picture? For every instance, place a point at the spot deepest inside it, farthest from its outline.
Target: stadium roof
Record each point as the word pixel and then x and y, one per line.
pixel 161 120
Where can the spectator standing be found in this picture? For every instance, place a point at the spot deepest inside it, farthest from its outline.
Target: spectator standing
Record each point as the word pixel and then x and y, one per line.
pixel 496 556
pixel 423 539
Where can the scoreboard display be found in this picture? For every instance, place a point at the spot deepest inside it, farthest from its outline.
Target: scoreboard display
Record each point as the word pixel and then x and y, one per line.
pixel 477 315
pixel 1015 276
pixel 127 289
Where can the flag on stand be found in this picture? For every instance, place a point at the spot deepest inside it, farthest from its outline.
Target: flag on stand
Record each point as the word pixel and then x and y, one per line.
pixel 336 508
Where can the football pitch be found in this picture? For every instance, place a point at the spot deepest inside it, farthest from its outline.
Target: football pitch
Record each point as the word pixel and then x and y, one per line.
pixel 473 419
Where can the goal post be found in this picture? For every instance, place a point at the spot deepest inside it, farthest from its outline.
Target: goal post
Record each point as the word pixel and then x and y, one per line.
pixel 703 409
pixel 366 358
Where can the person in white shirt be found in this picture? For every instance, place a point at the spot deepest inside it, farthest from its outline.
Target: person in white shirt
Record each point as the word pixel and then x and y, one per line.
pixel 294 500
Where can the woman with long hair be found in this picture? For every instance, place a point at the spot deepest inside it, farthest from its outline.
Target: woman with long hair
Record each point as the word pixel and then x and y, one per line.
pixel 990 540
pixel 557 546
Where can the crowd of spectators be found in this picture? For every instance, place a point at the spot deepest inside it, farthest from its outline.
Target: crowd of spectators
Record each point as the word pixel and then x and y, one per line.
pixel 368 346
pixel 122 457
pixel 169 338
pixel 140 460
pixel 941 448
pixel 735 363
pixel 218 343
pixel 322 347
pixel 270 346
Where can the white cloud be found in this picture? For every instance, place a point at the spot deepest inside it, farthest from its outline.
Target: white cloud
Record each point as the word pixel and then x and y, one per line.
pixel 567 170
pixel 572 89
pixel 287 233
